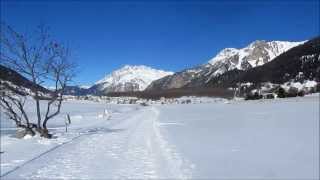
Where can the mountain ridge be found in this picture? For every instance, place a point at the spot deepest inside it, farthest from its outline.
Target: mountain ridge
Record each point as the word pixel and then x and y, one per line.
pixel 255 54
pixel 128 78
pixel 298 63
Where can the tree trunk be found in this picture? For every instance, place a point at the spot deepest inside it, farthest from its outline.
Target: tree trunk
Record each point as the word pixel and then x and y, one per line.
pixel 45 132
pixel 38 112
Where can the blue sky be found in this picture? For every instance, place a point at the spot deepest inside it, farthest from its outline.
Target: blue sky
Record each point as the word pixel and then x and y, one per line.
pixel 169 35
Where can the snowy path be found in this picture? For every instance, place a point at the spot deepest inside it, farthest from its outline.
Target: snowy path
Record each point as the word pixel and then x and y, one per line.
pixel 122 148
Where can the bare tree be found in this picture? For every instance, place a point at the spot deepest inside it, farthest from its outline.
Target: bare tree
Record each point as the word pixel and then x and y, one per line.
pixel 41 60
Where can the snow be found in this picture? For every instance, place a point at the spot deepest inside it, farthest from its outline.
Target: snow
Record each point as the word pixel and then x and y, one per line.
pixel 241 140
pixel 22 89
pixel 300 86
pixel 84 86
pixel 279 47
pixel 225 53
pixel 142 75
pixel 222 139
pixel 297 85
pixel 310 84
pixel 273 49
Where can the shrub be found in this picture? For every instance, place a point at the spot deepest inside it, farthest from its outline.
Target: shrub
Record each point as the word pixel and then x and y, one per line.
pixel 292 92
pixel 254 96
pixel 301 93
pixel 269 96
pixel 144 104
pixel 281 93
pixel 318 87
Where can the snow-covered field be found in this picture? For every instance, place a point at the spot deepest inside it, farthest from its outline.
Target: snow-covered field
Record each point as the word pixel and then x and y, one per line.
pixel 235 140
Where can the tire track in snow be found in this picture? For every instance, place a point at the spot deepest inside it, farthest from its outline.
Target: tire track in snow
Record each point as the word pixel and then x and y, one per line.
pixel 138 156
pixel 147 154
pixel 175 163
pixel 39 156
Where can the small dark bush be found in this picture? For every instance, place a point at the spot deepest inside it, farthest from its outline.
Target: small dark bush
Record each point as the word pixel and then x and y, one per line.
pixel 292 92
pixel 254 96
pixel 281 93
pixel 301 93
pixel 318 87
pixel 144 104
pixel 269 96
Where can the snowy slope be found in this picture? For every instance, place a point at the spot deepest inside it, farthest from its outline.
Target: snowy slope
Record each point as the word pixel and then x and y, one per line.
pixel 255 54
pixel 130 78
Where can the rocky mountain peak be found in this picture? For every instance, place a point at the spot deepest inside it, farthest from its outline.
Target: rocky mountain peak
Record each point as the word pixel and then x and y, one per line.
pixel 129 78
pixel 255 54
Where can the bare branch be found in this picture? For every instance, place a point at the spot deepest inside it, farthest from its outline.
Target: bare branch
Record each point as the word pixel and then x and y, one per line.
pixel 41 60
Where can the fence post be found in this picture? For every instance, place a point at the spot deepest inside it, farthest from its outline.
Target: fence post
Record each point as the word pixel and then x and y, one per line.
pixel 67 122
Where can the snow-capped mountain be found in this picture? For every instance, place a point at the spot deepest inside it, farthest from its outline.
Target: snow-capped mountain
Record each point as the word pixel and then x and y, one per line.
pixel 255 54
pixel 129 78
pixel 300 64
